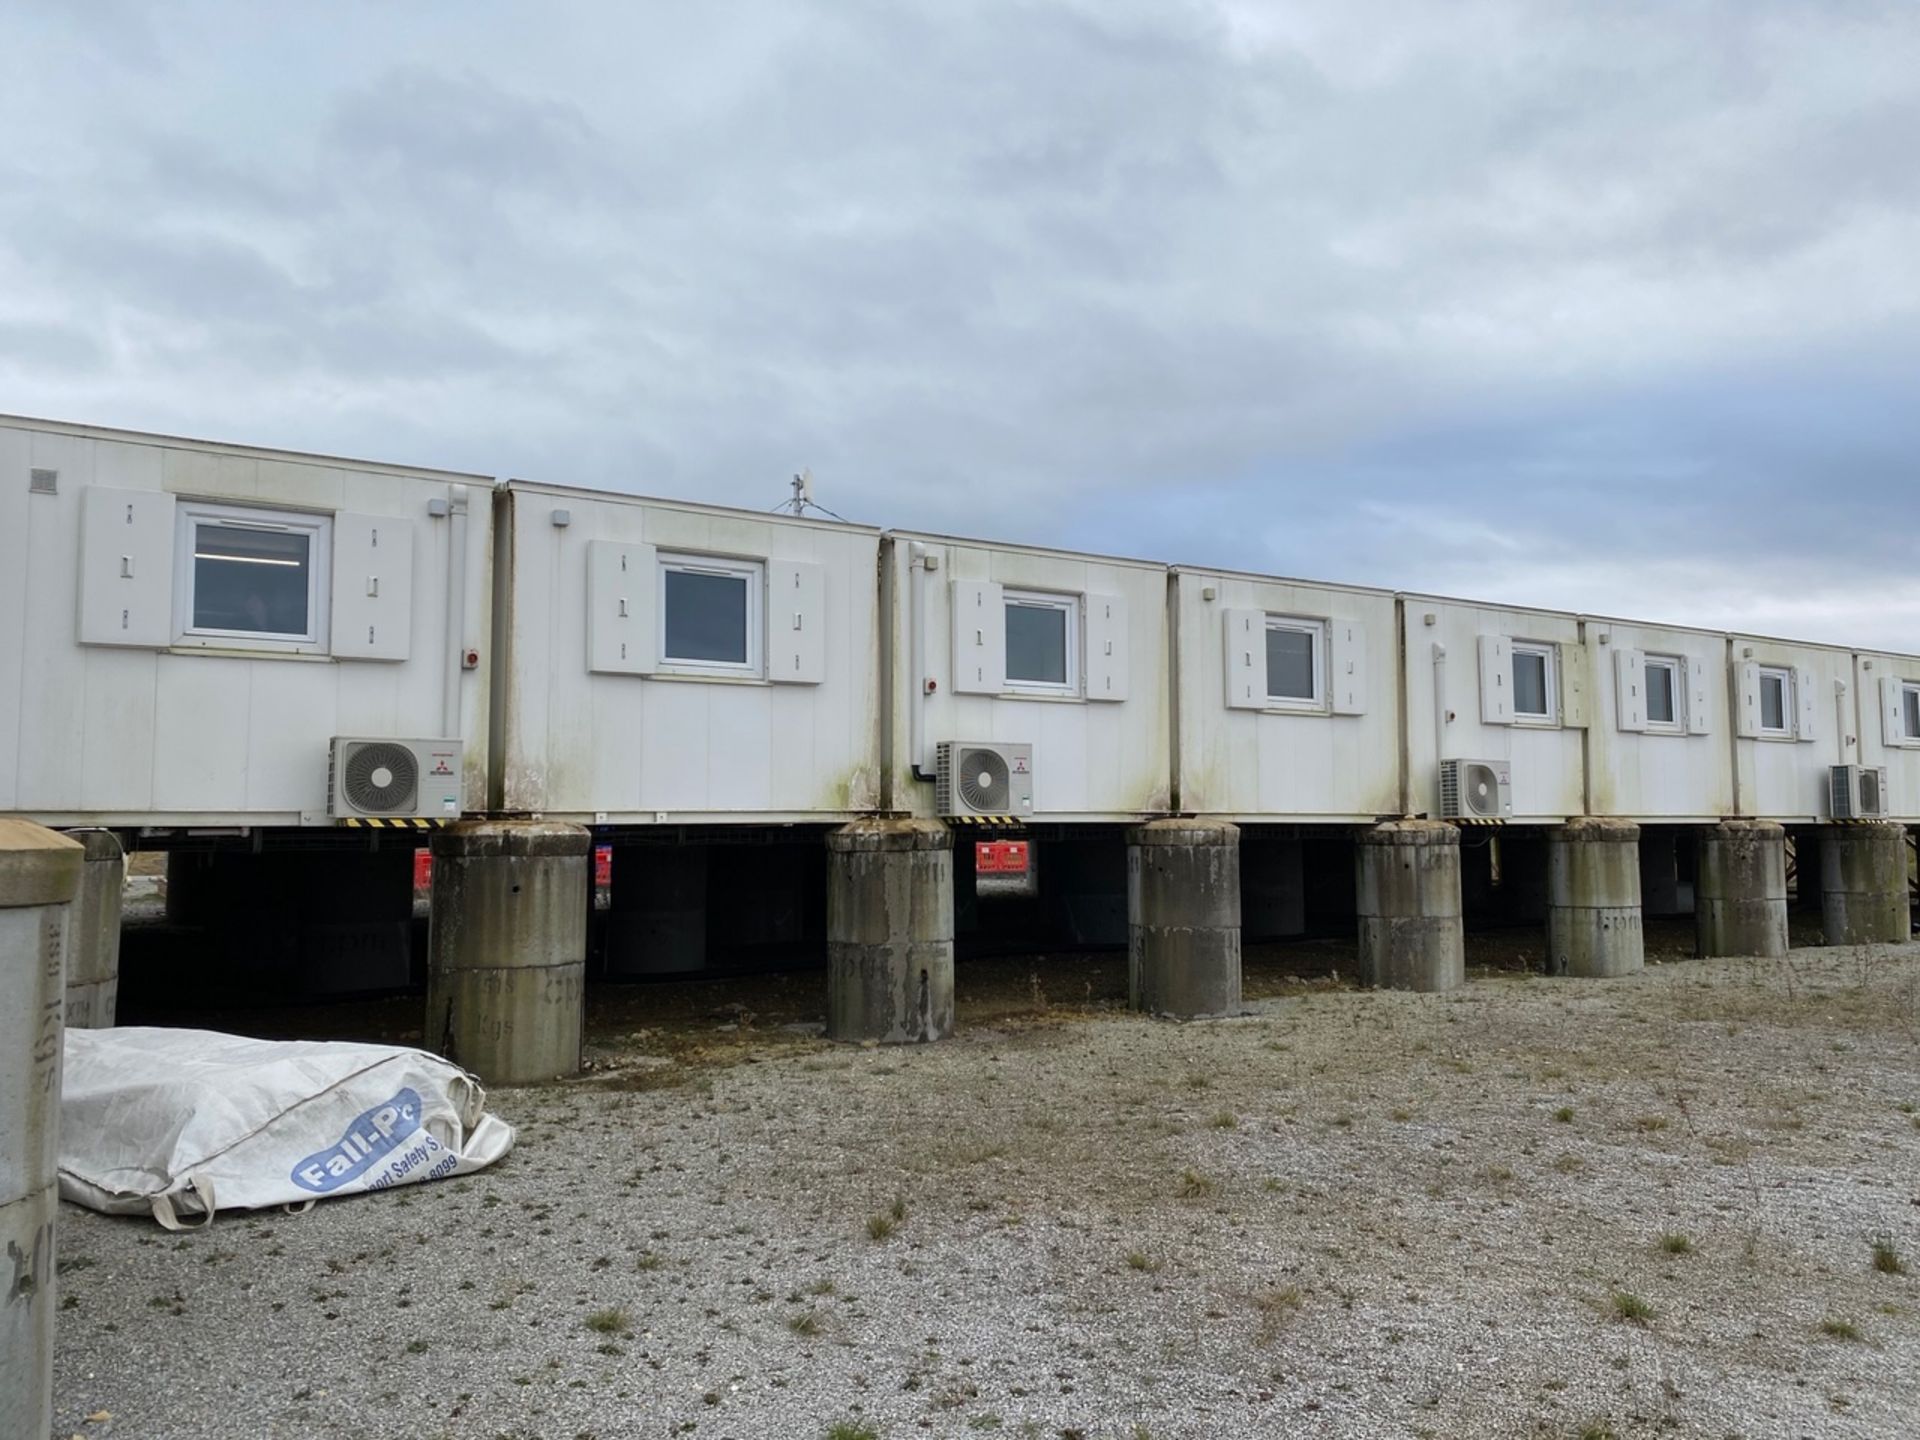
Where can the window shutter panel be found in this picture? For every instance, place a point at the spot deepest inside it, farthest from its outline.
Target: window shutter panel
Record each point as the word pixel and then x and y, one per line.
pixel 1347 666
pixel 1747 716
pixel 1630 689
pixel 1693 679
pixel 1108 667
pixel 372 588
pixel 1803 694
pixel 622 581
pixel 1496 680
pixel 979 637
pixel 1245 652
pixel 126 567
pixel 1572 660
pixel 1893 720
pixel 796 622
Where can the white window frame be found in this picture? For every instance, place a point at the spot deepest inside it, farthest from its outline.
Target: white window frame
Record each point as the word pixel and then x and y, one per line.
pixel 1550 655
pixel 1909 689
pixel 754 572
pixel 1676 668
pixel 1047 600
pixel 190 515
pixel 1789 706
pixel 1316 630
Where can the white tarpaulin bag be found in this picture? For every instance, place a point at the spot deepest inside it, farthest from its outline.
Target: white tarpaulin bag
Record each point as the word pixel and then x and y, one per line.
pixel 185 1122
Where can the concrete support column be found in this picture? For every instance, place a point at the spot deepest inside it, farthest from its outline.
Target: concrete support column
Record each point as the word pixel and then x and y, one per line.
pixel 657 913
pixel 1593 899
pixel 93 961
pixel 1863 884
pixel 1408 894
pixel 1183 918
pixel 39 876
pixel 890 931
pixel 1740 894
pixel 507 947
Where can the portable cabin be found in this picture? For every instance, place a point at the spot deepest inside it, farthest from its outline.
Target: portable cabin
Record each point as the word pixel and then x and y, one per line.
pixel 1497 702
pixel 1795 717
pixel 669 663
pixel 1660 737
pixel 1039 675
pixel 1285 703
pixel 209 635
pixel 1888 690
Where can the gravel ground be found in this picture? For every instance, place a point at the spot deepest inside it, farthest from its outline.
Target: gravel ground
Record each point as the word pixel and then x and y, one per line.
pixel 1530 1208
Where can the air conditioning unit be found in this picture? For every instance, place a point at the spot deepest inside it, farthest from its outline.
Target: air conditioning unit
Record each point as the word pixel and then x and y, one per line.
pixel 983 778
pixel 1476 789
pixel 373 778
pixel 1857 792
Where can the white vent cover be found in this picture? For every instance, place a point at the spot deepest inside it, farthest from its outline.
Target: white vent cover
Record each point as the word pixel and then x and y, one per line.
pixel 43 482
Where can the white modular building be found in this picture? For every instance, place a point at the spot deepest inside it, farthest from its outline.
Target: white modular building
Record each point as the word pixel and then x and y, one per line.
pixel 1037 678
pixel 1795 717
pixel 1888 691
pixel 1286 702
pixel 199 634
pixel 1660 732
pixel 1498 701
pixel 672 663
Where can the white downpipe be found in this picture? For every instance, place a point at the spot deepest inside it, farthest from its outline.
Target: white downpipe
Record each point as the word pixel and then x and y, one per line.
pixel 917 655
pixel 1439 718
pixel 456 613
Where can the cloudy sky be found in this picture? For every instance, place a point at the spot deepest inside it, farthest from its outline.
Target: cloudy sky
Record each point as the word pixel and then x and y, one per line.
pixel 1612 307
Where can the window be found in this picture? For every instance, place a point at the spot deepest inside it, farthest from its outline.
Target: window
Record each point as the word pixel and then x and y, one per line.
pixel 1296 650
pixel 251 579
pixel 1043 642
pixel 1776 697
pixel 1534 693
pixel 709 615
pixel 1910 710
pixel 1664 695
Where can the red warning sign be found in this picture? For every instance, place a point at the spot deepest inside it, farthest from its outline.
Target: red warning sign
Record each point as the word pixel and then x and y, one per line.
pixel 1000 857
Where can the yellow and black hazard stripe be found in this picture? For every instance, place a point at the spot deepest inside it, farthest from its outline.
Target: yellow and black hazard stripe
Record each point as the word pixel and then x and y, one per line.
pixel 990 822
pixel 391 822
pixel 1466 820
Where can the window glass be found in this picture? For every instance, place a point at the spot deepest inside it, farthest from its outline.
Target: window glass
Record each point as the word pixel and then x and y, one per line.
pixel 251 580
pixel 1660 709
pixel 1773 702
pixel 1037 643
pixel 706 617
pixel 1290 667
pixel 1529 683
pixel 1910 703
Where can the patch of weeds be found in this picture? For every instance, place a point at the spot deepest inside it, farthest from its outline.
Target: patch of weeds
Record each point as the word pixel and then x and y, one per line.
pixel 1225 1120
pixel 611 1321
pixel 1140 1260
pixel 1674 1243
pixel 416 1347
pixel 1275 1308
pixel 1630 1308
pixel 1838 1329
pixel 1564 1115
pixel 1648 1124
pixel 649 1260
pixel 806 1324
pixel 821 1287
pixel 1597 1430
pixel 1194 1185
pixel 880 1226
pixel 851 1430
pixel 898 1210
pixel 1569 1163
pixel 1886 1259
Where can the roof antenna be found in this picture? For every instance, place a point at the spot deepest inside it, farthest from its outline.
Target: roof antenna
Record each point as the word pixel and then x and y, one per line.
pixel 803 500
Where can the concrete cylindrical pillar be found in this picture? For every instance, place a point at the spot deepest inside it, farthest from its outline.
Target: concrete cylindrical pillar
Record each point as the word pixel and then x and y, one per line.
pixel 890 931
pixel 39 875
pixel 1183 918
pixel 507 947
pixel 1740 894
pixel 93 958
pixel 1863 884
pixel 1593 899
pixel 657 912
pixel 1408 896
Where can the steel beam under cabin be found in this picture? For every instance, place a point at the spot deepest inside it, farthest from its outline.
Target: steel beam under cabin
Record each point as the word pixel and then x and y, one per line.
pixel 1863 884
pixel 507 948
pixel 1740 895
pixel 1593 899
pixel 890 931
pixel 1183 918
pixel 39 876
pixel 1412 936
